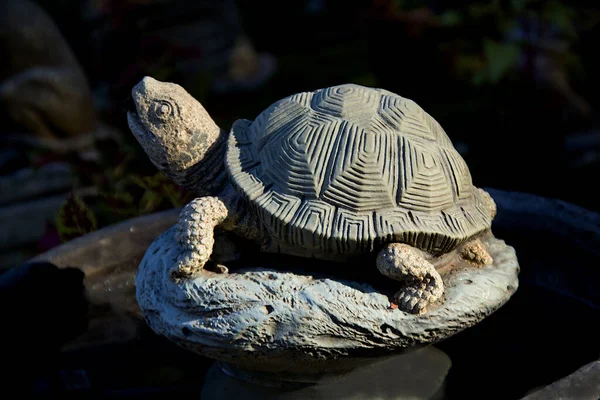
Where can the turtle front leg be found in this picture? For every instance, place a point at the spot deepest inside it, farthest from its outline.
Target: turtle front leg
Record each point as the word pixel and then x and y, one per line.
pixel 422 284
pixel 195 233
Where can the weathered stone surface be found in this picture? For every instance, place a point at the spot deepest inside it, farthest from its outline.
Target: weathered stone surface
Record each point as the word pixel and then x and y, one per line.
pixel 287 323
pixel 583 384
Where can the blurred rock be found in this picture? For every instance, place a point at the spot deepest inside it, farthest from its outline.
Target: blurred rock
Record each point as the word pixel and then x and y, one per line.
pixel 200 44
pixel 28 183
pixel 248 69
pixel 43 90
pixel 25 222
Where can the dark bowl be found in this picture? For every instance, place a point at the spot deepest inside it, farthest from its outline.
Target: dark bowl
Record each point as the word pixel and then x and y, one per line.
pixel 545 332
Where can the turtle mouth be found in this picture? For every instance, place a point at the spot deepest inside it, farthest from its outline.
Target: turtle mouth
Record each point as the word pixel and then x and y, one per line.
pixel 136 126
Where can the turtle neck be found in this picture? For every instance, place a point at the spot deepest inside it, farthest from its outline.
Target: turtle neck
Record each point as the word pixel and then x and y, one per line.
pixel 208 176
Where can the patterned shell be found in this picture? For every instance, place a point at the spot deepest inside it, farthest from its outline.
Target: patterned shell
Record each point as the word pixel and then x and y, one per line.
pixel 347 168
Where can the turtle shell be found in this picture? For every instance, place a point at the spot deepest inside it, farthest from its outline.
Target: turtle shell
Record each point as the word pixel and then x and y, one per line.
pixel 348 168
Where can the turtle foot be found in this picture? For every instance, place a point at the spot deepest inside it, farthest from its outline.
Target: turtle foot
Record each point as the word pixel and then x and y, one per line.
pixel 415 300
pixel 475 253
pixel 188 264
pixel 422 284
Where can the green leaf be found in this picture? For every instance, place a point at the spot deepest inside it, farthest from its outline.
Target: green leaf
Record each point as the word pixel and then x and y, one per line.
pixel 480 10
pixel 118 202
pixel 74 218
pixel 150 202
pixel 467 64
pixel 520 5
pixel 450 18
pixel 479 78
pixel 500 57
pixel 152 182
pixel 561 15
pixel 163 187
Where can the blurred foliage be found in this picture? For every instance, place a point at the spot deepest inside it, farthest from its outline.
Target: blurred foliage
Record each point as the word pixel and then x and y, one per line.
pixel 484 42
pixel 126 184
pixel 502 34
pixel 74 218
pixel 499 59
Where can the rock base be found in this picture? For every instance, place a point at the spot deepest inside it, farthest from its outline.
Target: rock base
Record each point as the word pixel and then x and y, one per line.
pixel 290 323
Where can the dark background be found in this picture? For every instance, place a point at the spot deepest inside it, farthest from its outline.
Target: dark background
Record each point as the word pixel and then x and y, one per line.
pixel 513 83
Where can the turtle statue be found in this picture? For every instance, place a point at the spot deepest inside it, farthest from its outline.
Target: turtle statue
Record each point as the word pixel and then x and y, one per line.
pixel 331 174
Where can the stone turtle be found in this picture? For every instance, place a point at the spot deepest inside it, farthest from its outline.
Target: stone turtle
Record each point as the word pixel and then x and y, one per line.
pixel 331 174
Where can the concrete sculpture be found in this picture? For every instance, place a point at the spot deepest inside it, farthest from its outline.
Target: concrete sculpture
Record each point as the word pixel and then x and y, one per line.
pixel 332 174
pixel 350 177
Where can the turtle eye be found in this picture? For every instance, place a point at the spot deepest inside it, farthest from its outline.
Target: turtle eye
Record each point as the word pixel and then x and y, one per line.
pixel 163 109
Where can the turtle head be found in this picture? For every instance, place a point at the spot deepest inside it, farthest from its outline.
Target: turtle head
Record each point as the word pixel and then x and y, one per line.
pixel 173 128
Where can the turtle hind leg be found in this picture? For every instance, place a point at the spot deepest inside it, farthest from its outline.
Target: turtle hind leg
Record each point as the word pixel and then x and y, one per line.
pixel 195 234
pixel 422 284
pixel 475 253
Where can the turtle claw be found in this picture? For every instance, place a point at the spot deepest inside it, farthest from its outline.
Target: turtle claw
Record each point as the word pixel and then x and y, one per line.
pixel 221 269
pixel 411 301
pixel 192 264
pixel 216 268
pixel 188 264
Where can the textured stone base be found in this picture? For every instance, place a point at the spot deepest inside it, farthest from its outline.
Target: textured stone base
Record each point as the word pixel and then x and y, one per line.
pixel 286 323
